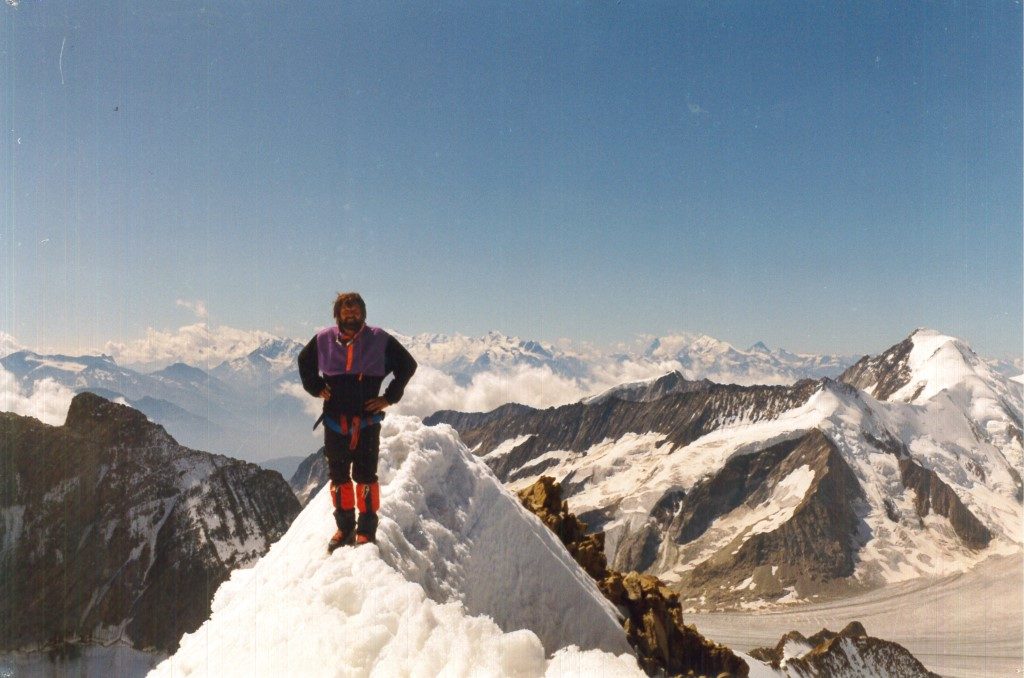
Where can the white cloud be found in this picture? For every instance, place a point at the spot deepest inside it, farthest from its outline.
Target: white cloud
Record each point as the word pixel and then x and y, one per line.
pixel 432 390
pixel 614 373
pixel 198 307
pixel 312 406
pixel 48 401
pixel 198 344
pixel 8 344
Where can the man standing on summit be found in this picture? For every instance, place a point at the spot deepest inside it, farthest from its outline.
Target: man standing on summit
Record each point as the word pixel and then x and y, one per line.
pixel 345 364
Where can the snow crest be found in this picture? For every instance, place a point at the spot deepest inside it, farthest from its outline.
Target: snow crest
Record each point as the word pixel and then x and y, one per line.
pixel 462 581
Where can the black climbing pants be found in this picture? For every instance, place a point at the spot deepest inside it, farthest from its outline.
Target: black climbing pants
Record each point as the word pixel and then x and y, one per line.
pixel 359 464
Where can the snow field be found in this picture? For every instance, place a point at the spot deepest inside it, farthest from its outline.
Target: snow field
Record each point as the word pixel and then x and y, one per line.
pixel 967 625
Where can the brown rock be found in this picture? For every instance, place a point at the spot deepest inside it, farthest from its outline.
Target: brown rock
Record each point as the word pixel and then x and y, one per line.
pixel 653 617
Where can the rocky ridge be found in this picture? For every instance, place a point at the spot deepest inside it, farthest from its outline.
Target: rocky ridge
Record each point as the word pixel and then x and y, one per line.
pixel 847 654
pixel 665 645
pixel 681 416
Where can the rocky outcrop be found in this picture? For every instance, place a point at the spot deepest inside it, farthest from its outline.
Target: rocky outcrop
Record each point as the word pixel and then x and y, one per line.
pixel 114 532
pixel 931 494
pixel 653 616
pixel 849 653
pixel 544 500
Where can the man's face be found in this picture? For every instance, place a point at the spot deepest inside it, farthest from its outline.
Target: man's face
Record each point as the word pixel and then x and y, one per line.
pixel 350 316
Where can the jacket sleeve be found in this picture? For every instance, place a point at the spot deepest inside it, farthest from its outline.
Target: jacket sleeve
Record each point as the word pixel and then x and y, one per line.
pixel 401 362
pixel 309 369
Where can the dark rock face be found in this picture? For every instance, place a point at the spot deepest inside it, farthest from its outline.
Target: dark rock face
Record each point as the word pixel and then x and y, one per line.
pixel 889 371
pixel 653 616
pixel 849 653
pixel 818 544
pixel 682 417
pixel 740 477
pixel 470 420
pixel 310 477
pixel 934 495
pixel 112 530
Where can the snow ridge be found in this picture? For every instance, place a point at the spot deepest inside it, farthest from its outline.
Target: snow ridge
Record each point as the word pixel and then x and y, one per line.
pixel 458 564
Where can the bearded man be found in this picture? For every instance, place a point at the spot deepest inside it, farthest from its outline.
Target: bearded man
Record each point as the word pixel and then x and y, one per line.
pixel 346 364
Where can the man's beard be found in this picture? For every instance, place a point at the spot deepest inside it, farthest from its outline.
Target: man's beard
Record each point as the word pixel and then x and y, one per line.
pixel 351 325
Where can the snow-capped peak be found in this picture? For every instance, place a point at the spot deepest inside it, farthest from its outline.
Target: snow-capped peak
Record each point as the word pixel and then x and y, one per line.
pixel 673 345
pixel 464 357
pixel 277 347
pixel 938 362
pixel 926 364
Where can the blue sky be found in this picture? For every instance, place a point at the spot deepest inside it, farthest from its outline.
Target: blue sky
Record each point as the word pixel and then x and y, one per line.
pixel 821 176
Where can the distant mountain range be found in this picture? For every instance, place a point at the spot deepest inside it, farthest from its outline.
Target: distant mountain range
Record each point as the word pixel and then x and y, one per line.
pixel 251 405
pixel 905 465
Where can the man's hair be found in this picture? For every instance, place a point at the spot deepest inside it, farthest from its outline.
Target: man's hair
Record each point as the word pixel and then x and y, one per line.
pixel 348 296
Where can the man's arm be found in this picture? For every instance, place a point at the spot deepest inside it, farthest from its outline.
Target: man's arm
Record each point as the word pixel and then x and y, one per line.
pixel 309 370
pixel 401 362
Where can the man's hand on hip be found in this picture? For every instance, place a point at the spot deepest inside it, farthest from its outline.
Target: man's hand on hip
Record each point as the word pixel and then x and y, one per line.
pixel 376 404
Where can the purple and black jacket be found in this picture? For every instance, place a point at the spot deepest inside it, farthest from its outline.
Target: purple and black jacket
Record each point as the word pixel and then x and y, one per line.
pixel 354 370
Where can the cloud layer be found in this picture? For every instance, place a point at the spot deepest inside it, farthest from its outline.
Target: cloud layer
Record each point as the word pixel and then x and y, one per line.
pixel 432 390
pixel 47 400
